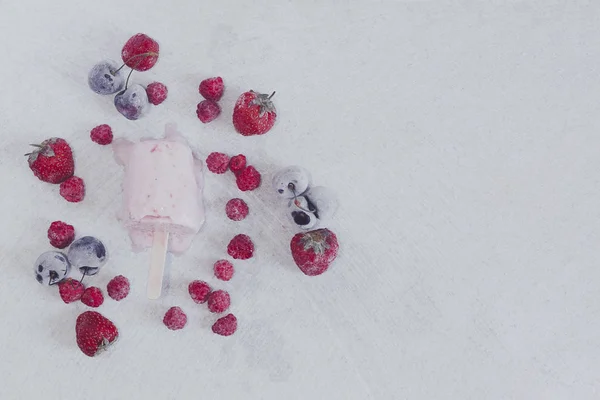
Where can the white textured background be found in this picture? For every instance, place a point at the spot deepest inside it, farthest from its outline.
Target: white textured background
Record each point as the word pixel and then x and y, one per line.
pixel 462 138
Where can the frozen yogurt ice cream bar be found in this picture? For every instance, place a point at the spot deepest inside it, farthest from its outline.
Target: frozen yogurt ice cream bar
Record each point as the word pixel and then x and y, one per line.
pixel 162 196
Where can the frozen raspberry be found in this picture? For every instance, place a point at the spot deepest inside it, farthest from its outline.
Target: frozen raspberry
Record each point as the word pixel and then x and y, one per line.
pixel 199 290
pixel 118 288
pixel 218 301
pixel 70 290
pixel 92 297
pixel 207 111
pixel 175 318
pixel 237 163
pixel 240 247
pixel 61 234
pixel 248 179
pixel 236 209
pixel 102 134
pixel 223 270
pixel 157 93
pixel 212 88
pixel 225 326
pixel 217 162
pixel 73 189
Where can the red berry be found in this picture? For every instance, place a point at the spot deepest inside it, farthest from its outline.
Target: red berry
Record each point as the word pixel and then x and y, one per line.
pixel 102 134
pixel 223 270
pixel 118 288
pixel 140 52
pixel 175 318
pixel 207 111
pixel 73 189
pixel 212 88
pixel 248 179
pixel 92 297
pixel 52 161
pixel 218 301
pixel 61 234
pixel 254 113
pixel 217 162
pixel 237 163
pixel 94 333
pixel 199 291
pixel 314 251
pixel 225 326
pixel 240 247
pixel 70 290
pixel 236 209
pixel 157 93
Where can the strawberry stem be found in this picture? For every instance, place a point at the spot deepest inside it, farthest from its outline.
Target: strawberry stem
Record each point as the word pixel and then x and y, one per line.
pixel 272 94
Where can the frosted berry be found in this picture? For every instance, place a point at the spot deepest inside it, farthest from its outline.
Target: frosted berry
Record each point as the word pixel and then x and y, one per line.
pixel 132 102
pixel 237 163
pixel 102 134
pixel 217 162
pixel 207 111
pixel 70 290
pixel 212 88
pixel 175 318
pixel 51 267
pixel 61 234
pixel 92 297
pixel 240 247
pixel 118 288
pixel 225 326
pixel 248 179
pixel 106 77
pixel 223 270
pixel 218 301
pixel 88 255
pixel 140 52
pixel 73 189
pixel 199 291
pixel 157 93
pixel 236 209
pixel 52 160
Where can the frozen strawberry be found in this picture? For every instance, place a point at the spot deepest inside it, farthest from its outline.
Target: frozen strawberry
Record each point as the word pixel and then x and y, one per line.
pixel 199 291
pixel 240 247
pixel 314 251
pixel 140 52
pixel 94 333
pixel 52 161
pixel 92 297
pixel 157 93
pixel 175 318
pixel 248 179
pixel 212 88
pixel 118 288
pixel 223 270
pixel 217 162
pixel 237 163
pixel 218 301
pixel 236 209
pixel 207 111
pixel 61 234
pixel 70 290
pixel 102 134
pixel 254 113
pixel 73 189
pixel 225 326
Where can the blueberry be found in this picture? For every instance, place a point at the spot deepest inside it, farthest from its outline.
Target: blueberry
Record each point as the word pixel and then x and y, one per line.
pixel 132 102
pixel 51 267
pixel 87 254
pixel 104 80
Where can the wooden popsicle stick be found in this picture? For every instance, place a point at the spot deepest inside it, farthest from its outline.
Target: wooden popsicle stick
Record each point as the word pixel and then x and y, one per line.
pixel 158 257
